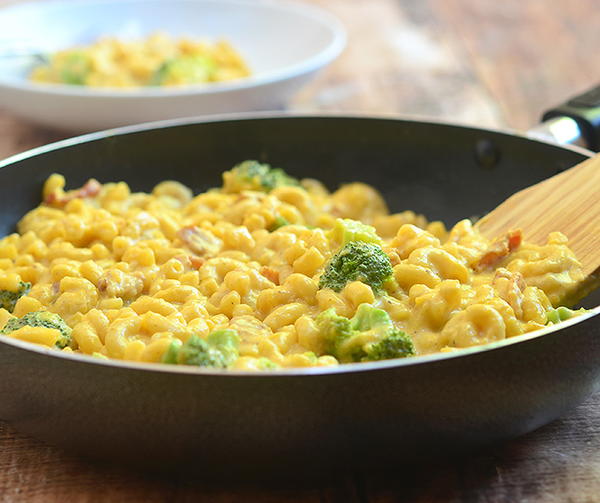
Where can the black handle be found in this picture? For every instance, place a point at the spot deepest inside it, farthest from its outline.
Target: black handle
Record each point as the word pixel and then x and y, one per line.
pixel 585 110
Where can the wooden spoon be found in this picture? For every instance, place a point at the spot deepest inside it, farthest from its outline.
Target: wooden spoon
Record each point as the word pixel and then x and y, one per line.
pixel 568 202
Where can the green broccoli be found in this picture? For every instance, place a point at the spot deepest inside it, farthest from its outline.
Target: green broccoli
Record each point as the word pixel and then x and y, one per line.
pixel 334 330
pixel 172 352
pixel 75 68
pixel 370 335
pixel 395 345
pixel 8 299
pixel 252 175
pixel 225 341
pixel 184 70
pixel 266 364
pixel 561 314
pixel 357 261
pixel 277 223
pixel 42 319
pixel 346 230
pixel 219 350
pixel 197 351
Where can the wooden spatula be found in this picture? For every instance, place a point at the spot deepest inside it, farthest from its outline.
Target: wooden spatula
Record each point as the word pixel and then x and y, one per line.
pixel 568 202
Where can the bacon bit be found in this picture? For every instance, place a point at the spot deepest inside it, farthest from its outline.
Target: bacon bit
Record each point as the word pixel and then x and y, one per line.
pixel 271 274
pixel 190 261
pixel 514 239
pixel 197 262
pixel 91 188
pixel 510 287
pixel 102 284
pixel 199 241
pixel 516 278
pixel 498 250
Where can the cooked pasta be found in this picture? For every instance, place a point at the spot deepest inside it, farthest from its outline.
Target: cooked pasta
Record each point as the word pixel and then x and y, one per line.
pixel 266 272
pixel 158 60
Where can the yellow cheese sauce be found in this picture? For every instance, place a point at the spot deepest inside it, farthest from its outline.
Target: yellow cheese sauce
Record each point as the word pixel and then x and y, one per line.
pixel 158 60
pixel 136 276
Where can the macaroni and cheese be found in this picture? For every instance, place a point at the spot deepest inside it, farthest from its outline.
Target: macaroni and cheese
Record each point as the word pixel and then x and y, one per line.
pixel 158 60
pixel 266 272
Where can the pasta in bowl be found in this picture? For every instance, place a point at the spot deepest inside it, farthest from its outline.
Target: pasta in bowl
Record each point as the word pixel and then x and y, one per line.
pixel 157 60
pixel 266 272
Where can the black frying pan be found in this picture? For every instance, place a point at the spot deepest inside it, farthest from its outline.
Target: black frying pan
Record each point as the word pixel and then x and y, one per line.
pixel 351 415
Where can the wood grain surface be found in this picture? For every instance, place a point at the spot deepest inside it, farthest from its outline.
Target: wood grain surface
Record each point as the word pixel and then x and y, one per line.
pixel 482 62
pixel 567 202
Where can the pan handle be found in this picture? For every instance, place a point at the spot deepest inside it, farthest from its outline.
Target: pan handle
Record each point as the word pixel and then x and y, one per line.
pixel 575 122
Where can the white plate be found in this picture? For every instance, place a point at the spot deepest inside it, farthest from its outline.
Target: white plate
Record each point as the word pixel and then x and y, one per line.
pixel 284 44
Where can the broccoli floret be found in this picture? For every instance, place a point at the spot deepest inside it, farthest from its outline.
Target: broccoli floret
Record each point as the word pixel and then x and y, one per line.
pixel 333 329
pixel 219 350
pixel 252 175
pixel 368 317
pixel 357 261
pixel 9 299
pixel 395 345
pixel 226 342
pixel 197 351
pixel 42 319
pixel 346 230
pixel 172 352
pixel 75 68
pixel 277 223
pixel 266 364
pixel 184 70
pixel 561 314
pixel 369 335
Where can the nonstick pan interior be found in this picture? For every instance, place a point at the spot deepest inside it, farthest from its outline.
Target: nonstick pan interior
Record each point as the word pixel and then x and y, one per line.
pixel 446 172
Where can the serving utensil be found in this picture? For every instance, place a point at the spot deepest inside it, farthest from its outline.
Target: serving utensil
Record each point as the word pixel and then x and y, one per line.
pixel 568 202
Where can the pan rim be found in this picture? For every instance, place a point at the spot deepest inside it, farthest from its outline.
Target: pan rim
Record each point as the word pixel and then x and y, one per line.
pixel 344 368
pixel 270 115
pixel 291 372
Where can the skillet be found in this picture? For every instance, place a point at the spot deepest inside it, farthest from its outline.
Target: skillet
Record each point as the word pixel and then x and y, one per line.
pixel 353 415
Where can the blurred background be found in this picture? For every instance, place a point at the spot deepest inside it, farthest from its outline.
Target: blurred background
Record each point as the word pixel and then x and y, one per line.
pixel 490 64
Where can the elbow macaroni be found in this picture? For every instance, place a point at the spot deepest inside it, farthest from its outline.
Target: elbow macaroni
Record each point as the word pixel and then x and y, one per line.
pixel 132 272
pixel 157 60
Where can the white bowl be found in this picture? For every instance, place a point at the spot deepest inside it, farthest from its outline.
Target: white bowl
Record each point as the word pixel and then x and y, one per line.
pixel 284 44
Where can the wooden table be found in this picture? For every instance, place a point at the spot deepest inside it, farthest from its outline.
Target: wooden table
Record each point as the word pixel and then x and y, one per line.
pixel 486 63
